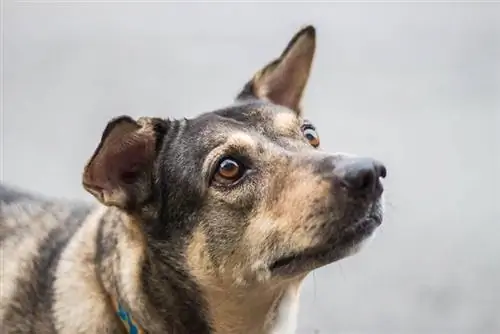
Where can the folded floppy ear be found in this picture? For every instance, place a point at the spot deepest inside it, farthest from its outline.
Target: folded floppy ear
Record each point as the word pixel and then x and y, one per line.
pixel 119 173
pixel 283 80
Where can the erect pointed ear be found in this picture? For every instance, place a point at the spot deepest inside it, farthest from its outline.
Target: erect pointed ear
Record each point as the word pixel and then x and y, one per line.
pixel 283 80
pixel 119 173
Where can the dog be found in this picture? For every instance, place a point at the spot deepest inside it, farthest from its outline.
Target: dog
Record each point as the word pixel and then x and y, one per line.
pixel 201 225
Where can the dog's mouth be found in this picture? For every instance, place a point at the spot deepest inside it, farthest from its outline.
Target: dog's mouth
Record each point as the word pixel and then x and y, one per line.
pixel 336 249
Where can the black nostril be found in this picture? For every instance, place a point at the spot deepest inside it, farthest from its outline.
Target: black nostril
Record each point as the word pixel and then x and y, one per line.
pixel 381 170
pixel 365 179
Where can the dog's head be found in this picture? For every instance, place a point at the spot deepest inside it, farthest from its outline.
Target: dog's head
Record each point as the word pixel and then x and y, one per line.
pixel 243 193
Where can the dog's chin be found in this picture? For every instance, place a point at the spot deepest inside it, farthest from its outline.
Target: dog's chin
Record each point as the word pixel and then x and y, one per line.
pixel 346 243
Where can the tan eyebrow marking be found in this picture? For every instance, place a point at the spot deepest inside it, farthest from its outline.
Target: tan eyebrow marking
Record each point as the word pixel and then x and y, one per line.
pixel 286 122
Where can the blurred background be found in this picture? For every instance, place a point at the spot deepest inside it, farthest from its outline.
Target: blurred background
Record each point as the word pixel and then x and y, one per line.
pixel 416 85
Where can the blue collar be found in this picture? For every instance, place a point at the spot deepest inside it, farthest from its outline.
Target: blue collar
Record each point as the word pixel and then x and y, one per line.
pixel 130 325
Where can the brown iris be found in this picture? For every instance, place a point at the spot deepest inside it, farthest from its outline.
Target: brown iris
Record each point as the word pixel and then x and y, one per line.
pixel 311 135
pixel 228 171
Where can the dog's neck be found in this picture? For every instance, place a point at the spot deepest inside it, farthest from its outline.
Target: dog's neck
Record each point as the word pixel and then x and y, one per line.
pixel 150 288
pixel 270 310
pixel 242 303
pixel 287 312
pixel 161 298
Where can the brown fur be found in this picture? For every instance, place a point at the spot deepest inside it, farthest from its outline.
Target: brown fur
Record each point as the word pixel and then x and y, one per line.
pixel 182 248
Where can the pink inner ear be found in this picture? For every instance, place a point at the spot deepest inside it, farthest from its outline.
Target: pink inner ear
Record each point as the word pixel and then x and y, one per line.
pixel 120 162
pixel 130 160
pixel 281 94
pixel 283 81
pixel 129 177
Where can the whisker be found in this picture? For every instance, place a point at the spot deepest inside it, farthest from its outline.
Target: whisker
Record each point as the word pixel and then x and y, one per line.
pixel 314 287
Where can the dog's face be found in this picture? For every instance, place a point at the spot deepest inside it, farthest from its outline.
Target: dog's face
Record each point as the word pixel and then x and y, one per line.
pixel 244 192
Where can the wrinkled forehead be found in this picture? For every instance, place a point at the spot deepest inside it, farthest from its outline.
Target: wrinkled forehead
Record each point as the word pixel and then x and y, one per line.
pixel 259 119
pixel 252 130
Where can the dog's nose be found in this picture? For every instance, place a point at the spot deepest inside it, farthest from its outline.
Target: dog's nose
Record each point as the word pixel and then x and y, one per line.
pixel 361 175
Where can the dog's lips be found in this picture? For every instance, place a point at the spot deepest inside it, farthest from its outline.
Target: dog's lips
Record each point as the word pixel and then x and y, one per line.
pixel 335 250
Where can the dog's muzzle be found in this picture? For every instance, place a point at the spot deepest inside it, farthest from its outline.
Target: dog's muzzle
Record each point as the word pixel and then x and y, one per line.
pixel 361 180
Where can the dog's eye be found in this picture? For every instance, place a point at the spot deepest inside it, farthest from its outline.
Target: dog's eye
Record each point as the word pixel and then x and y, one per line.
pixel 228 171
pixel 311 135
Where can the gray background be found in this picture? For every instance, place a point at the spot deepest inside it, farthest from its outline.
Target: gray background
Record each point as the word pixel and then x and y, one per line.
pixel 415 85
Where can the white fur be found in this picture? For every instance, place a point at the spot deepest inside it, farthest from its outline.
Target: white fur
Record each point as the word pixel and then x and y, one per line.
pixel 288 310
